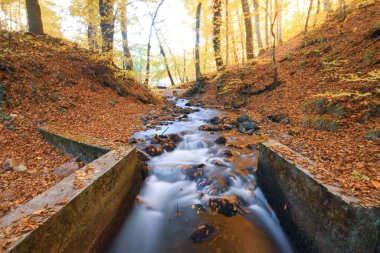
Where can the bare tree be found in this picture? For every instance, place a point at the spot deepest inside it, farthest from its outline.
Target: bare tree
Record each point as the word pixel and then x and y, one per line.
pixel 91 27
pixel 248 30
pixel 34 17
pixel 342 9
pixel 107 25
pixel 149 40
pixel 217 22
pixel 127 61
pixel 197 36
pixel 257 24
pixel 278 8
pixel 227 14
pixel 266 24
pixel 308 15
pixel 326 7
pixel 162 52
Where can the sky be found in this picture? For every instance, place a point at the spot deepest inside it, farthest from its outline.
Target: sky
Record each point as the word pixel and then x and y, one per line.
pixel 174 22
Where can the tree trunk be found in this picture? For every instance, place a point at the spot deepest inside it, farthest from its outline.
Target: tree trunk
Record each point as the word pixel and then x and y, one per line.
pixel 107 25
pixel 241 29
pixel 342 9
pixel 236 58
pixel 266 24
pixel 217 22
pixel 257 24
pixel 317 12
pixel 91 28
pixel 274 61
pixel 227 33
pixel 278 8
pixel 197 58
pixel 326 7
pixel 127 61
pixel 248 30
pixel 308 15
pixel 34 17
pixel 149 44
pixel 162 52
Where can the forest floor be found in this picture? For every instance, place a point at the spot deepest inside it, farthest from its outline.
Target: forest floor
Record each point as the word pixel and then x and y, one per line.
pixel 48 81
pixel 329 92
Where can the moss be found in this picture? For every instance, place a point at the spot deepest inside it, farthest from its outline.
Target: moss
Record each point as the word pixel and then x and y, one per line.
pixel 302 63
pixel 2 94
pixel 312 41
pixel 373 135
pixel 339 111
pixel 334 126
pixel 287 57
pixel 316 106
pixel 321 124
pixel 307 122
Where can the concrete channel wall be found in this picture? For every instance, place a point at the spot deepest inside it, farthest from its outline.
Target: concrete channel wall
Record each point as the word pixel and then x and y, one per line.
pixel 317 217
pixel 83 211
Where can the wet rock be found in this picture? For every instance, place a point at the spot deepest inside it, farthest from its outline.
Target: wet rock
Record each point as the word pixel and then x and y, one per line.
pixel 227 153
pixel 249 125
pixel 154 149
pixel 243 118
pixel 67 168
pixel 193 171
pixel 186 110
pixel 141 155
pixel 221 140
pixel 215 121
pixel 242 129
pixel 8 165
pixel 199 208
pixel 279 119
pixel 132 140
pixel 210 128
pixel 188 104
pixel 143 118
pixel 20 168
pixel 176 138
pixel 144 169
pixel 168 145
pixel 252 146
pixel 222 206
pixel 227 127
pixel 219 163
pixel 202 233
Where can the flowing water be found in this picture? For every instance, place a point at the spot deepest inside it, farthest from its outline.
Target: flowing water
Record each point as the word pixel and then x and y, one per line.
pixel 172 206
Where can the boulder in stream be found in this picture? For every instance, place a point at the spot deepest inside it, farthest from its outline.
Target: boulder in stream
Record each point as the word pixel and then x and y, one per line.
pixel 210 128
pixel 221 140
pixel 154 149
pixel 202 233
pixel 222 206
pixel 243 118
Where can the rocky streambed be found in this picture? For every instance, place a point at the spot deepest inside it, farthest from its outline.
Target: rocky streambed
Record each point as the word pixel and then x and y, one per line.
pixel 200 192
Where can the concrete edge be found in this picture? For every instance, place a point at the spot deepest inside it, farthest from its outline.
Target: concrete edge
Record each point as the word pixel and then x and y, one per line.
pixel 83 211
pixel 317 217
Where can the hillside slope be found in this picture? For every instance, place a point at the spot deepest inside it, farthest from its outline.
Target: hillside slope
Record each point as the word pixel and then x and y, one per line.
pixel 330 92
pixel 48 81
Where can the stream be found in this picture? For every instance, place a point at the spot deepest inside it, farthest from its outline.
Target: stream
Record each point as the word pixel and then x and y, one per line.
pixel 200 197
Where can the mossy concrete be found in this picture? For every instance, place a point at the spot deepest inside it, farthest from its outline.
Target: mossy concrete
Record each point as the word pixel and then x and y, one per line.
pixel 317 217
pixel 82 146
pixel 85 219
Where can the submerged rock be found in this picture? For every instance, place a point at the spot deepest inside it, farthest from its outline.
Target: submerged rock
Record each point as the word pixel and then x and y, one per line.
pixel 227 153
pixel 221 140
pixel 193 171
pixel 202 233
pixel 223 206
pixel 176 138
pixel 210 128
pixel 215 121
